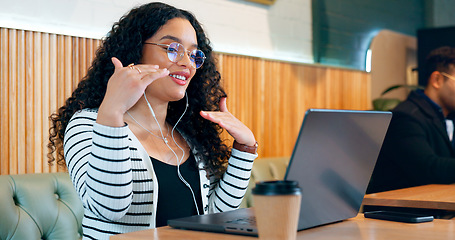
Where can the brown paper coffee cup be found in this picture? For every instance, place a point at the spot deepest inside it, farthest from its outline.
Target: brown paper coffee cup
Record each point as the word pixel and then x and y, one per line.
pixel 277 209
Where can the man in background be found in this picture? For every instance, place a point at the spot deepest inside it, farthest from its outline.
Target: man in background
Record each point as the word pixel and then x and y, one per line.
pixel 418 147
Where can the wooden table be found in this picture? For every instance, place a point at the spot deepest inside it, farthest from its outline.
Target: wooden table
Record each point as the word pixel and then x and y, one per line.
pixel 351 229
pixel 433 196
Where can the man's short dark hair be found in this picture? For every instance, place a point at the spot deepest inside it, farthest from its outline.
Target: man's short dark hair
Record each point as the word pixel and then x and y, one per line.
pixel 440 60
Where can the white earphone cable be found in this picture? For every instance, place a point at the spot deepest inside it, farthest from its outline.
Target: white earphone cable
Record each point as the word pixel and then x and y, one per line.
pixel 175 154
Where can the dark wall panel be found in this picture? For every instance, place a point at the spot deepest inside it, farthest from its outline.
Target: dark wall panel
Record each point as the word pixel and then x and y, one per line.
pixel 430 39
pixel 342 30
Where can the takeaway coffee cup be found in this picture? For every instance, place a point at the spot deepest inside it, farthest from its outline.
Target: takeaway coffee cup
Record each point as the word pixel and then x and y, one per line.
pixel 277 209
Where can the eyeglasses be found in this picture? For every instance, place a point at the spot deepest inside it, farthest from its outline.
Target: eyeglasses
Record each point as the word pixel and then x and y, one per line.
pixel 176 51
pixel 448 75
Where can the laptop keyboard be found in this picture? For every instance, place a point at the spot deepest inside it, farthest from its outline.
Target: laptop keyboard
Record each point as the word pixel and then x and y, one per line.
pixel 249 221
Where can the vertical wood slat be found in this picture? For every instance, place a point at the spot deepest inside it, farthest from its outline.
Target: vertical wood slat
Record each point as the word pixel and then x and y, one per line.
pixel 76 58
pixel 21 127
pixel 13 119
pixel 46 99
pixel 68 73
pixel 37 80
pixel 39 71
pixel 29 109
pixel 53 81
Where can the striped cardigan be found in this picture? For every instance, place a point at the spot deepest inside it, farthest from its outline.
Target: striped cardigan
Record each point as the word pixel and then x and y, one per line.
pixel 114 177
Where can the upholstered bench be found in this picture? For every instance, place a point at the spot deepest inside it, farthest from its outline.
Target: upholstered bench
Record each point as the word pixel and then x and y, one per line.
pixel 39 206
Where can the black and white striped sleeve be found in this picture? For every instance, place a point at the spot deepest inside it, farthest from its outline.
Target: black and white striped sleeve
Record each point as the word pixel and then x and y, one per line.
pixel 99 165
pixel 227 194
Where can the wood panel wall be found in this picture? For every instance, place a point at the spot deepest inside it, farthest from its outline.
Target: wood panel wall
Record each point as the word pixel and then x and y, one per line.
pixel 271 97
pixel 38 72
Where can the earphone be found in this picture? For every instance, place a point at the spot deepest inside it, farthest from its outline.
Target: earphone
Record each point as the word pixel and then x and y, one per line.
pixel 175 154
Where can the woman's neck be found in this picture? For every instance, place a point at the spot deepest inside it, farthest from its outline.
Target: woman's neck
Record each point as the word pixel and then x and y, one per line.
pixel 142 113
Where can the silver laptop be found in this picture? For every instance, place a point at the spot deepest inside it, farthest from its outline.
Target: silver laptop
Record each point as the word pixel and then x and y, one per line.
pixel 332 160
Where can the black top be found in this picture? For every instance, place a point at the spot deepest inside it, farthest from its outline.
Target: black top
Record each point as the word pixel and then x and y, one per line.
pixel 174 197
pixel 416 150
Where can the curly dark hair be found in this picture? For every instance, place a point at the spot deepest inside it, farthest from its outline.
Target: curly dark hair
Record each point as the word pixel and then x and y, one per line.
pixel 125 41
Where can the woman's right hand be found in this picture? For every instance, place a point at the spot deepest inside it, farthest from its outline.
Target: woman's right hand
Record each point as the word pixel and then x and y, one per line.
pixel 124 89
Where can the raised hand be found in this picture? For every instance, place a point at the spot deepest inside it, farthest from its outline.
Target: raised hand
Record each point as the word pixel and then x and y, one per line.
pixel 124 89
pixel 239 131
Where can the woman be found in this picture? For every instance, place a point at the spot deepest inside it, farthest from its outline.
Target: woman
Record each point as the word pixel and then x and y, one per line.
pixel 142 142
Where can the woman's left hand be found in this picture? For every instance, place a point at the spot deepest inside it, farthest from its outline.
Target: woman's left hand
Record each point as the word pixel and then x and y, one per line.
pixel 241 133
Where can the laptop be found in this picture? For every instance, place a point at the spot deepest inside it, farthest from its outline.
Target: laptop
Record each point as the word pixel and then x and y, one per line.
pixel 333 159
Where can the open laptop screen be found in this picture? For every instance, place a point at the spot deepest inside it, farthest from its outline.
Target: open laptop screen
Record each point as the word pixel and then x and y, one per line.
pixel 333 159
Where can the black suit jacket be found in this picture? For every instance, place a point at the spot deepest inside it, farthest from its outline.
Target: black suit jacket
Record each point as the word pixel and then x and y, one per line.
pixel 416 149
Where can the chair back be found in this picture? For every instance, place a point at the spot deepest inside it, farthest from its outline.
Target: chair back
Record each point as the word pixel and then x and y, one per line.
pixel 39 206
